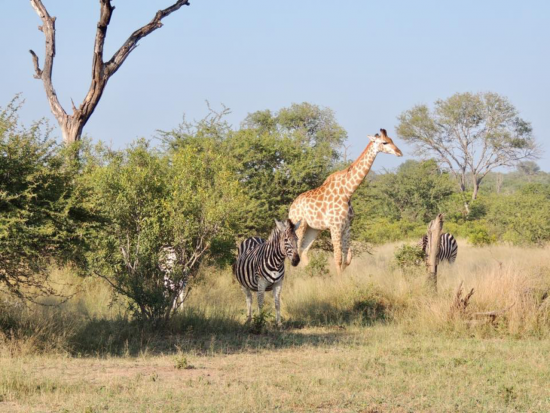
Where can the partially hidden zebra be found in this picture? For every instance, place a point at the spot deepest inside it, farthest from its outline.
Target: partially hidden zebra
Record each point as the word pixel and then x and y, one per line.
pixel 260 264
pixel 173 290
pixel 448 247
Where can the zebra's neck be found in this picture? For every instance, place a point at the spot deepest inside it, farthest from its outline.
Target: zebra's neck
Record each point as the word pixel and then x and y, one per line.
pixel 274 242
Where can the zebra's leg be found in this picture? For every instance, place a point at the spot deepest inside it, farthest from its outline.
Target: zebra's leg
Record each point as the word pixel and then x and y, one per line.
pixel 307 242
pixel 336 236
pixel 277 287
pixel 248 294
pixel 262 285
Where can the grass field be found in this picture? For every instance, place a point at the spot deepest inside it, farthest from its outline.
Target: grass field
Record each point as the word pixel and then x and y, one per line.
pixel 373 340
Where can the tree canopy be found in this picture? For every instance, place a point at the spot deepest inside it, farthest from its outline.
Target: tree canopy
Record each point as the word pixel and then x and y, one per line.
pixel 470 134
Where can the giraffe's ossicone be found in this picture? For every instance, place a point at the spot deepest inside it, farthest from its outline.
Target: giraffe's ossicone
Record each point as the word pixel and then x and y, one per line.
pixel 328 207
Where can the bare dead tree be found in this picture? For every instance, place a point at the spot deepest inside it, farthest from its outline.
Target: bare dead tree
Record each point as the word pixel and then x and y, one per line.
pixel 73 124
pixel 432 261
pixel 470 134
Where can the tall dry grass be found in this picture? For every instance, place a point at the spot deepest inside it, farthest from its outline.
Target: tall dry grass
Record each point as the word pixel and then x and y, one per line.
pixel 513 281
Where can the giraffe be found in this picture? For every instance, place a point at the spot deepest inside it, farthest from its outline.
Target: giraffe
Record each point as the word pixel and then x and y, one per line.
pixel 329 206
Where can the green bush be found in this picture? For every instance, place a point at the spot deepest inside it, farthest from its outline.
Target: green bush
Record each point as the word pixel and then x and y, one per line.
pixel 522 217
pixel 480 237
pixel 381 230
pixel 318 264
pixel 187 200
pixel 42 217
pixel 409 256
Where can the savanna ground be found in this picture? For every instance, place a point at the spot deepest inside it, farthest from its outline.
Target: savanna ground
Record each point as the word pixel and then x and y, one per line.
pixel 374 340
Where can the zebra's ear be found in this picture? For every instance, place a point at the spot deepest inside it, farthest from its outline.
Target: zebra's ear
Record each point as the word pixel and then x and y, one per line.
pixel 296 225
pixel 280 225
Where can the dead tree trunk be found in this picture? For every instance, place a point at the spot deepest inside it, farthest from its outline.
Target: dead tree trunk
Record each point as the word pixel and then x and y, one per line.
pixel 72 125
pixel 434 234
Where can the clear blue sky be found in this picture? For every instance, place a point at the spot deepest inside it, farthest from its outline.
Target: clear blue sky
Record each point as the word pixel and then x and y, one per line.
pixel 368 61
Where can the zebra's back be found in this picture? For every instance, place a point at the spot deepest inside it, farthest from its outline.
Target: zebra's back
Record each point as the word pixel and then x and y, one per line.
pixel 448 247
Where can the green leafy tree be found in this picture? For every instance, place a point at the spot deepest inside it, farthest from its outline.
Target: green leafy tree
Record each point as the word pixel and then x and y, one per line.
pixel 393 205
pixel 522 217
pixel 470 134
pixel 42 218
pixel 187 201
pixel 277 156
pixel 306 123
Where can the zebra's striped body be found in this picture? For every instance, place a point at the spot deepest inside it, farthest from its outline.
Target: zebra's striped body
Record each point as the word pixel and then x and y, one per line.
pixel 260 264
pixel 448 247
pixel 174 290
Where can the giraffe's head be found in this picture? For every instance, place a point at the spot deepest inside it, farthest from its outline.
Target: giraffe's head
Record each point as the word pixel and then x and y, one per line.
pixel 289 240
pixel 383 143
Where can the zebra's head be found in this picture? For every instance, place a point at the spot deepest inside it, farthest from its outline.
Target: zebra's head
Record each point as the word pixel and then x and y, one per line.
pixel 289 240
pixel 383 143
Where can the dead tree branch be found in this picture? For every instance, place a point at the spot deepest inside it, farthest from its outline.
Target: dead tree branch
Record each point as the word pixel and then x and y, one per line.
pixel 460 303
pixel 492 315
pixel 434 235
pixel 72 125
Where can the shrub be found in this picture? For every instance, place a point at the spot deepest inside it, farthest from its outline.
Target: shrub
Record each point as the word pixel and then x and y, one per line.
pixel 381 230
pixel 318 264
pixel 41 213
pixel 522 217
pixel 480 237
pixel 188 201
pixel 409 256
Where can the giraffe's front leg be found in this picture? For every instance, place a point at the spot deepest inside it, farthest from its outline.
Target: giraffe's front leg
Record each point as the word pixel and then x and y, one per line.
pixel 277 287
pixel 346 241
pixel 248 294
pixel 300 232
pixel 307 242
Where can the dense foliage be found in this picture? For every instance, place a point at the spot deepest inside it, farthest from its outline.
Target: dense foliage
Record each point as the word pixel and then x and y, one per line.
pixel 470 134
pixel 277 155
pixel 188 201
pixel 111 212
pixel 41 214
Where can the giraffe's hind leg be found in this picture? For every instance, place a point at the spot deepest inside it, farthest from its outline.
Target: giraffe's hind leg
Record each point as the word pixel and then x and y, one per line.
pixel 346 248
pixel 307 241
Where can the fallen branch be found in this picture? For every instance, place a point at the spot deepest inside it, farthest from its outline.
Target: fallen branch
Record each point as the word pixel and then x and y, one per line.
pixel 492 315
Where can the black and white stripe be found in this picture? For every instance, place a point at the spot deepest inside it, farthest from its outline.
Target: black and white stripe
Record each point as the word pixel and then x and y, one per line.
pixel 448 247
pixel 260 264
pixel 173 290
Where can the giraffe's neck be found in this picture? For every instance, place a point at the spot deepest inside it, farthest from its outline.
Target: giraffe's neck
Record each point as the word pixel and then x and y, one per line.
pixel 358 170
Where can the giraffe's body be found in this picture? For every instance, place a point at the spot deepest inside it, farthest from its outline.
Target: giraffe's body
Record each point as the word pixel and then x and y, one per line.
pixel 329 206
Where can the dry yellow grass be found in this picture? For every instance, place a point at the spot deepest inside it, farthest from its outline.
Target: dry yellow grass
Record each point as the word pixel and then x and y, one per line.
pixel 374 339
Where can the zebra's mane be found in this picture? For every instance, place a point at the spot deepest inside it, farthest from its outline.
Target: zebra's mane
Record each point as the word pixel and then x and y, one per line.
pixel 275 235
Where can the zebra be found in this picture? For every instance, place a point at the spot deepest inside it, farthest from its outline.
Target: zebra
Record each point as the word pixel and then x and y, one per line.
pixel 260 264
pixel 174 290
pixel 448 247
